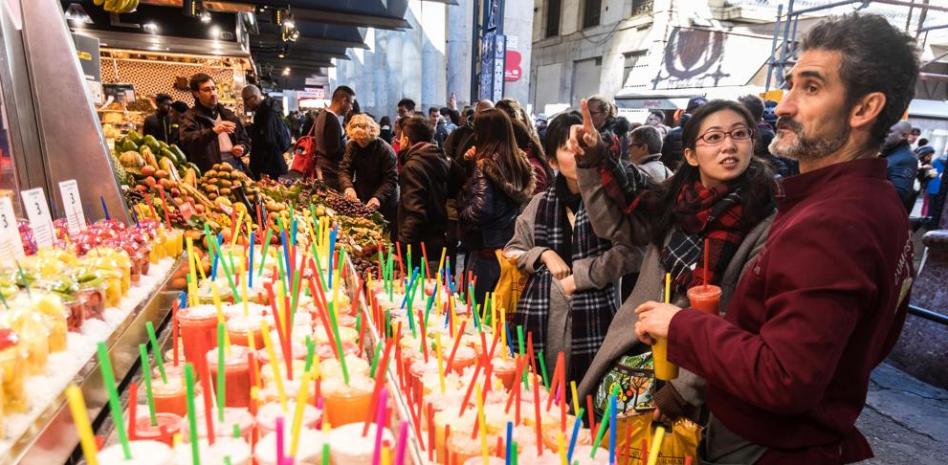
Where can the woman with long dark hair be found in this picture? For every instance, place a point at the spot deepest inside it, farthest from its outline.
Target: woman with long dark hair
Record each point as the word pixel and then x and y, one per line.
pixel 722 194
pixel 500 186
pixel 528 141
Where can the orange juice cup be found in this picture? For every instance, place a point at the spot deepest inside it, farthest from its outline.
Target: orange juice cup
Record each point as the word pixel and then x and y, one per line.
pixel 236 375
pixel 664 370
pixel 198 334
pixel 168 424
pixel 347 404
pixel 705 298
pixel 170 397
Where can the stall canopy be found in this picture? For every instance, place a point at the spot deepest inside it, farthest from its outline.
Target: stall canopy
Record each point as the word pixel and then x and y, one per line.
pixel 302 35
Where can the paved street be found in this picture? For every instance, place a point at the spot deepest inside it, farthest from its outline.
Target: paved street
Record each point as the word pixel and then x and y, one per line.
pixel 905 420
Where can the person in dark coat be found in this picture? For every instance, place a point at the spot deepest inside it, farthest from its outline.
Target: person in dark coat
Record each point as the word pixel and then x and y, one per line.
pixel 330 139
pixel 902 166
pixel 367 172
pixel 671 146
pixel 209 133
pixel 386 132
pixel 423 182
pixel 765 134
pixel 269 134
pixel 161 124
pixel 530 145
pixel 499 188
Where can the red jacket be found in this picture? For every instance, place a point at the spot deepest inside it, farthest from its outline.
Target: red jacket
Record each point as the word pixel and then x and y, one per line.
pixel 823 304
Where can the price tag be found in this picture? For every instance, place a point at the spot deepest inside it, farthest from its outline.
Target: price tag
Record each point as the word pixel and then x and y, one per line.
pixel 11 246
pixel 37 210
pixel 75 218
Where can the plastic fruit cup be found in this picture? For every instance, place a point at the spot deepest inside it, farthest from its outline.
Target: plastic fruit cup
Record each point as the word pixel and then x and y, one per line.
pixel 238 417
pixel 237 450
pixel 461 447
pixel 347 404
pixel 93 300
pixel 705 298
pixel 170 397
pixel 11 359
pixel 198 334
pixel 236 375
pixel 349 447
pixel 268 414
pixel 310 450
pixel 143 453
pixel 168 424
pixel 504 369
pixel 239 329
pixel 664 370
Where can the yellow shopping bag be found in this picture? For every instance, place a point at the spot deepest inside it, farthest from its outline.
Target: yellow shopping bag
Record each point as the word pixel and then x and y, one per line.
pixel 636 431
pixel 510 285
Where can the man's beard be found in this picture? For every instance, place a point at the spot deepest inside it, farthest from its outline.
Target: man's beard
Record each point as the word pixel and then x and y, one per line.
pixel 806 147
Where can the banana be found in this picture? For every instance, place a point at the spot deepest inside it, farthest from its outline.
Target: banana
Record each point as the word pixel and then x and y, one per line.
pixel 98 2
pixel 132 5
pixel 111 5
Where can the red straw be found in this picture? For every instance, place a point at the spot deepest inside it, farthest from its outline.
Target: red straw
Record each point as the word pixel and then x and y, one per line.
pixel 536 412
pixel 513 391
pixel 320 312
pixel 454 349
pixel 151 206
pixel 379 255
pixel 688 459
pixel 174 331
pixel 431 433
pixel 707 257
pixel 470 388
pixel 164 205
pixel 132 410
pixel 555 380
pixel 380 371
pixel 208 410
pixel 398 249
pixel 259 223
pixel 424 254
pixel 589 410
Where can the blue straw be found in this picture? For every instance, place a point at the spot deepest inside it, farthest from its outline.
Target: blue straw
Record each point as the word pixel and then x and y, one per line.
pixel 612 429
pixel 411 282
pixel 509 453
pixel 105 208
pixel 286 251
pixel 332 247
pixel 572 440
pixel 250 268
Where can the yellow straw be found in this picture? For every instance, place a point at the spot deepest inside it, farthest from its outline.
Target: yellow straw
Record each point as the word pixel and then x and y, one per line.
pixel 668 287
pixel 572 386
pixel 243 287
pixel 298 416
pixel 386 455
pixel 482 421
pixel 192 264
pixel 503 330
pixel 279 313
pixel 81 418
pixel 440 361
pixel 561 449
pixel 217 302
pixel 656 446
pixel 274 364
pixel 238 229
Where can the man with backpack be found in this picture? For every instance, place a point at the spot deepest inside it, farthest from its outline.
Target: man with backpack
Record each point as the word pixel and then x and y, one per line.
pixel 318 153
pixel 269 136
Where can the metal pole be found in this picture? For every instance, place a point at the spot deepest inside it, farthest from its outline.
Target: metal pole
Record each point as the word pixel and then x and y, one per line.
pixel 783 49
pixel 500 30
pixel 475 35
pixel 793 36
pixel 773 48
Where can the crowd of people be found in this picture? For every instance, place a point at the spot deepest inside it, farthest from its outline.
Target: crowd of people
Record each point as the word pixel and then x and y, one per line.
pixel 797 210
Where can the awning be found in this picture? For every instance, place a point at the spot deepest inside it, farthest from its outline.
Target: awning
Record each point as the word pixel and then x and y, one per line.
pixel 922 108
pixel 675 99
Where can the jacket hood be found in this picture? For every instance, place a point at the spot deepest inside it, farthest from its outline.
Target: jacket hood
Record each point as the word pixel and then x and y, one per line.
pixel 425 150
pixel 519 191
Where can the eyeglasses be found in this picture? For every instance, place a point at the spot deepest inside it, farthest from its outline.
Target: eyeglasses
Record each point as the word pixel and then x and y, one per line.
pixel 716 136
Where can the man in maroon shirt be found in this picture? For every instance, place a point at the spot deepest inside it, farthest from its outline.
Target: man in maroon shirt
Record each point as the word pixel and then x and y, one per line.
pixel 788 368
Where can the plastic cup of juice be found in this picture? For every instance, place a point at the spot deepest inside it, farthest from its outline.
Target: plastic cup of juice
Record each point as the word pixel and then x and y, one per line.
pixel 143 453
pixel 167 425
pixel 236 450
pixel 236 375
pixel 170 397
pixel 268 414
pixel 198 334
pixel 705 298
pixel 664 370
pixel 310 450
pixel 349 447
pixel 347 404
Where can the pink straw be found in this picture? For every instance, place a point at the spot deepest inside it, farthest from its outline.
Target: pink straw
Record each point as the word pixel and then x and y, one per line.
pixel 379 426
pixel 402 441
pixel 279 438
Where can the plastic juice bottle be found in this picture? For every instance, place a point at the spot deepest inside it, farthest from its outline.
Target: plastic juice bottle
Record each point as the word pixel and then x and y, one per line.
pixel 236 375
pixel 198 334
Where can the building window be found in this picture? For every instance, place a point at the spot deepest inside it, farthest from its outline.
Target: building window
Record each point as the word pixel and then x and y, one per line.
pixel 632 61
pixel 641 7
pixel 553 17
pixel 591 13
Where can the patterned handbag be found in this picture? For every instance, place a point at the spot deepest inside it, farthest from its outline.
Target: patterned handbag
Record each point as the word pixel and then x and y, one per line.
pixel 635 377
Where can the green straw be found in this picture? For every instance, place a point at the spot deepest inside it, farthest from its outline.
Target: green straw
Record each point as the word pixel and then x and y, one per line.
pixel 546 380
pixel 375 360
pixel 221 373
pixel 310 351
pixel 522 345
pixel 335 332
pixel 236 431
pixel 266 246
pixel 192 414
pixel 118 416
pixel 296 294
pixel 601 432
pixel 227 270
pixel 325 453
pixel 146 369
pixel 157 350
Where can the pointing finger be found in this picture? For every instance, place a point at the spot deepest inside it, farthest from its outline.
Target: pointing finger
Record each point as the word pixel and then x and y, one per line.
pixel 587 117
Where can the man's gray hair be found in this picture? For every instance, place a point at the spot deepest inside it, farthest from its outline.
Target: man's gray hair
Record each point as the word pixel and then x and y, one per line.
pixel 250 90
pixel 649 136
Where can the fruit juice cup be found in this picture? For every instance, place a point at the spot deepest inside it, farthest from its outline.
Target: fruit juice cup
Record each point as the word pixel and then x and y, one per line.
pixel 134 270
pixel 350 447
pixel 144 264
pixel 113 290
pixel 504 369
pixel 326 351
pixel 76 312
pixel 239 329
pixel 172 242
pixel 478 460
pixel 584 436
pixel 92 296
pixel 266 371
pixel 310 450
pixel 225 450
pixel 167 425
pixel 198 329
pixel 143 453
pixel 347 404
pixel 11 359
pixel 664 370
pixel 461 447
pixel 170 397
pixel 236 375
pixel 355 366
pixel 299 350
pixel 530 457
pixel 705 298
pixel 269 412
pixel 347 335
pixel 462 425
pixel 238 417
pixel 465 357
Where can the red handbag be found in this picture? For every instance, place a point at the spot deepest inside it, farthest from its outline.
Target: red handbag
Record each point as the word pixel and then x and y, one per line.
pixel 304 155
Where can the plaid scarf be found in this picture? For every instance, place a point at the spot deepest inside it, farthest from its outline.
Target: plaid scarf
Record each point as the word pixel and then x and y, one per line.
pixel 591 311
pixel 701 213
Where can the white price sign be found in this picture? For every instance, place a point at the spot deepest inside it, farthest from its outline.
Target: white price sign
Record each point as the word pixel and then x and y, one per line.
pixel 37 210
pixel 10 244
pixel 75 218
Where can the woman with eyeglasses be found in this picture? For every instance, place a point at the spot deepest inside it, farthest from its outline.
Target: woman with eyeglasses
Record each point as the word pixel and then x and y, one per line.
pixel 367 171
pixel 722 194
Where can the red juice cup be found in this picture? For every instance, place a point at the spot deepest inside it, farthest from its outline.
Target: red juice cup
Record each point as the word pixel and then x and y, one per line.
pixel 170 397
pixel 236 375
pixel 168 424
pixel 705 298
pixel 198 334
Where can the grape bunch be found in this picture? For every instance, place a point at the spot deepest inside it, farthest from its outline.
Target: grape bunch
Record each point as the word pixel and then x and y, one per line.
pixel 365 266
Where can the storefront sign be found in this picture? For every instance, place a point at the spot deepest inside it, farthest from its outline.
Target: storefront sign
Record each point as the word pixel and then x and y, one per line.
pixel 75 218
pixel 10 244
pixel 512 69
pixel 37 210
pixel 87 48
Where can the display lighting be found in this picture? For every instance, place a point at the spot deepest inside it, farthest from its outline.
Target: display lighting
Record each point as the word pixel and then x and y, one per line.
pixel 76 14
pixel 205 16
pixel 150 28
pixel 286 71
